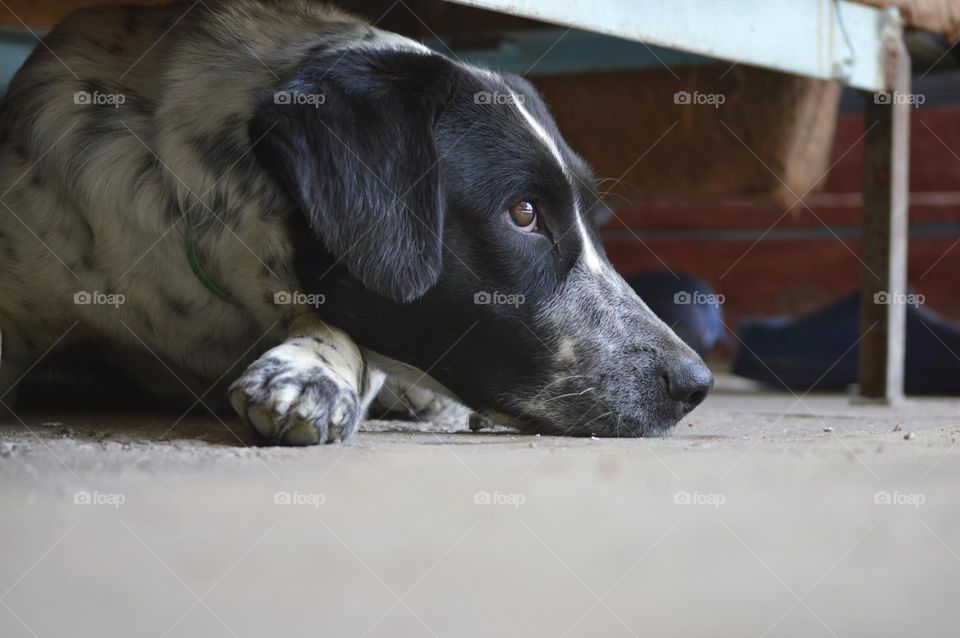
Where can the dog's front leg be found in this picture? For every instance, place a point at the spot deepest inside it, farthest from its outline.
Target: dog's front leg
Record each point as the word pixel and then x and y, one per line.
pixel 312 388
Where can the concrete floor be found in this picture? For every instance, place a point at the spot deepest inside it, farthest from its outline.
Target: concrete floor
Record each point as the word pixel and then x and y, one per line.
pixel 759 517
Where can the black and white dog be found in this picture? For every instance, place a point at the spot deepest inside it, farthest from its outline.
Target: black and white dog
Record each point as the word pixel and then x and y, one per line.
pixel 284 188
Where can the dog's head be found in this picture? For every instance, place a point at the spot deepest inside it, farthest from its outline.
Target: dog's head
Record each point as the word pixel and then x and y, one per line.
pixel 447 224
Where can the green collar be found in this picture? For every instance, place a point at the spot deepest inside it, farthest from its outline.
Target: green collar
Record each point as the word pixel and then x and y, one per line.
pixel 194 258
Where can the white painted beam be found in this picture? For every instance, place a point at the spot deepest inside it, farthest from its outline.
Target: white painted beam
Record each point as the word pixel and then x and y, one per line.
pixel 827 39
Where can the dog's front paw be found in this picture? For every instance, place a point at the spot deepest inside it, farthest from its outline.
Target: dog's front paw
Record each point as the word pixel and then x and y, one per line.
pixel 290 396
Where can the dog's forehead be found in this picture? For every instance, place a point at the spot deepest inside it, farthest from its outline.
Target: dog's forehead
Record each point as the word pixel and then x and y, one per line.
pixel 590 256
pixel 533 115
pixel 525 110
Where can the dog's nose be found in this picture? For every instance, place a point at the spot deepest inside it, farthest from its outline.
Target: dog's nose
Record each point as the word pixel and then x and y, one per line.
pixel 688 381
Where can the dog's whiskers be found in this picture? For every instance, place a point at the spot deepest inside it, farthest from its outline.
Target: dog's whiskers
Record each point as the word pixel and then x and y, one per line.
pixel 569 394
pixel 561 380
pixel 600 417
pixel 527 406
pixel 623 198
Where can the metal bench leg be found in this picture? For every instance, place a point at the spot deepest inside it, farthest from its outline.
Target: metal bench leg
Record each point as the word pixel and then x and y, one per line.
pixel 885 203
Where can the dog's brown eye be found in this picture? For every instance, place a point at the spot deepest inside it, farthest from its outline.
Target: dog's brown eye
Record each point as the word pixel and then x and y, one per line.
pixel 524 215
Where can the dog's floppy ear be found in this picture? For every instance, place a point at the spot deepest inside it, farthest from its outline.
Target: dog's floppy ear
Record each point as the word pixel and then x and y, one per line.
pixel 350 137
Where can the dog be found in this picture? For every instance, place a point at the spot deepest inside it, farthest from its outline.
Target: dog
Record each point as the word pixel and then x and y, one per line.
pixel 286 205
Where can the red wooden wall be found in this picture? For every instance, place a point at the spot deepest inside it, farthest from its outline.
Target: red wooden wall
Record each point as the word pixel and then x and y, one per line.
pixel 768 261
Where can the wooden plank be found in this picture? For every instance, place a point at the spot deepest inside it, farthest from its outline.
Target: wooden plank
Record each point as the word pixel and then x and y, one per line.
pixel 788 278
pixel 885 192
pixel 556 51
pixel 826 39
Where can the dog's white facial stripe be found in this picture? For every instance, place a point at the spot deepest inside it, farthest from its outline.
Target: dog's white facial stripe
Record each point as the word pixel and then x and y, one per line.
pixel 385 40
pixel 540 132
pixel 589 254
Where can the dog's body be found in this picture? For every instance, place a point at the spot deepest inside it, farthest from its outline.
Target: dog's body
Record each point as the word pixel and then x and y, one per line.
pixel 160 200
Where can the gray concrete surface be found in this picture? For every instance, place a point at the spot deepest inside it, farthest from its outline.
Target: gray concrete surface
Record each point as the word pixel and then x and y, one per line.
pixel 761 516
